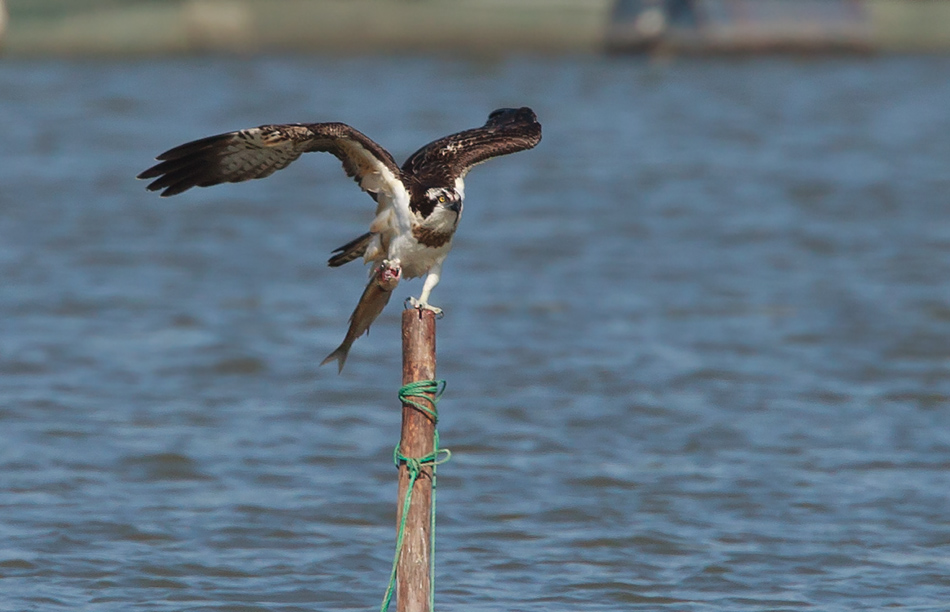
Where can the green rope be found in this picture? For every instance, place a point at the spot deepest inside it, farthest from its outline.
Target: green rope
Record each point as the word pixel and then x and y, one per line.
pixel 422 389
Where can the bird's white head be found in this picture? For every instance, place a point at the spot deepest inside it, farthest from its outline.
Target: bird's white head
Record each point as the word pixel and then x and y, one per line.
pixel 445 197
pixel 446 205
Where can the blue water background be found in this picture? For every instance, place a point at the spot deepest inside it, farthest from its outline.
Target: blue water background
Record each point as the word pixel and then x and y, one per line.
pixel 697 343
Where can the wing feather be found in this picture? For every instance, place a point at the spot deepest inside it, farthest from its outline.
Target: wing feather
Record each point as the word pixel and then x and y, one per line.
pixel 507 130
pixel 259 152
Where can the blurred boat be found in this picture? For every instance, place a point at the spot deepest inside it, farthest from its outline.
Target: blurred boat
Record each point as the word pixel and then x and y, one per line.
pixel 739 26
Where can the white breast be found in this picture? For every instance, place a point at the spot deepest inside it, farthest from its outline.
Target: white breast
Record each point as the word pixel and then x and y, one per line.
pixel 415 258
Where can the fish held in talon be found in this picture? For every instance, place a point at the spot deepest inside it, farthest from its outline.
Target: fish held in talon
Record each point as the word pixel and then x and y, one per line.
pixel 385 278
pixel 418 205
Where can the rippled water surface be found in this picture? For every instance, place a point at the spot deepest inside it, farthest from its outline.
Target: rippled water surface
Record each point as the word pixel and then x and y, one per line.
pixel 697 343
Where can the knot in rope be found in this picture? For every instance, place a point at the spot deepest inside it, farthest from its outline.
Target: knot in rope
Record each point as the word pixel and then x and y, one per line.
pixel 415 464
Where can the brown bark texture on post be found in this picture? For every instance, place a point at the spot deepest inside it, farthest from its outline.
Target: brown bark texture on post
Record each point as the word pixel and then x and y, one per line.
pixel 418 430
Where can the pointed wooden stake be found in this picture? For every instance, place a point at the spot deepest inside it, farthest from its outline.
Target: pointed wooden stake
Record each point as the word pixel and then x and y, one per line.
pixel 418 430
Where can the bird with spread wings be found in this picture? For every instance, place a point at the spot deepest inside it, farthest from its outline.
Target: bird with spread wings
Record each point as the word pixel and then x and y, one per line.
pixel 418 205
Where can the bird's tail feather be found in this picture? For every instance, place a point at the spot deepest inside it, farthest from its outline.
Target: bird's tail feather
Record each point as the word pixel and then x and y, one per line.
pixel 351 250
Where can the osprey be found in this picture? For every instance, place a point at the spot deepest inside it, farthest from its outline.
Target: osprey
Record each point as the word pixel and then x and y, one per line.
pixel 418 205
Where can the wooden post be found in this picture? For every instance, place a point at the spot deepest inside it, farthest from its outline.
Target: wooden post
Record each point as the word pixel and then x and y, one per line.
pixel 418 429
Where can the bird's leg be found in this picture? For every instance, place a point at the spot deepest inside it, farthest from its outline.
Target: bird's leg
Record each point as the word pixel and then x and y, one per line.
pixel 432 279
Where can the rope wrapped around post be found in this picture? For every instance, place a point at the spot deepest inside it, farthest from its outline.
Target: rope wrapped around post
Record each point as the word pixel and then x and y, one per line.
pixel 430 391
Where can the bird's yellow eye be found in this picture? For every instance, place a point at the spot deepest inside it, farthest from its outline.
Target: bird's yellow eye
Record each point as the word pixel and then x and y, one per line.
pixel 442 199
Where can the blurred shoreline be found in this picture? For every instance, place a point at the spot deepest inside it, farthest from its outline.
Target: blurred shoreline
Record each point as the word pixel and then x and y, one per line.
pixel 464 27
pixel 52 27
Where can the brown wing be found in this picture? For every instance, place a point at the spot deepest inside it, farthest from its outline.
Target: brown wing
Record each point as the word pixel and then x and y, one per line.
pixel 259 152
pixel 508 130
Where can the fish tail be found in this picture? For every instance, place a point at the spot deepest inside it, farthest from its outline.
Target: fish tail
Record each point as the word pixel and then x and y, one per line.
pixel 339 355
